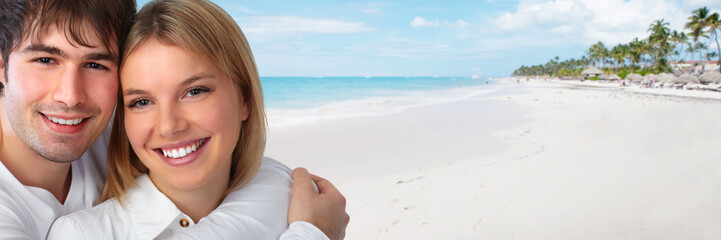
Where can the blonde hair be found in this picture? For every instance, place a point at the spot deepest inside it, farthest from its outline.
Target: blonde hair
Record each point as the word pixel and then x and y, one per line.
pixel 206 30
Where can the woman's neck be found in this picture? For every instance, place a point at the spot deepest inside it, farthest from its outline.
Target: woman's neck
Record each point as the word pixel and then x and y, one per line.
pixel 198 202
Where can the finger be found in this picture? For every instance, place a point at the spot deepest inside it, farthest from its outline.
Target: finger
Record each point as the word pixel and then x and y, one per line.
pixel 302 181
pixel 324 186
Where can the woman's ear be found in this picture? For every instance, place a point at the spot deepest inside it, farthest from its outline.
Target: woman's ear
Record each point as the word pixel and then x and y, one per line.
pixel 244 111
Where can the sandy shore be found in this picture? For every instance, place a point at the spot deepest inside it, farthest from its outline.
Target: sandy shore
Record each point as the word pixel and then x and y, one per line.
pixel 528 161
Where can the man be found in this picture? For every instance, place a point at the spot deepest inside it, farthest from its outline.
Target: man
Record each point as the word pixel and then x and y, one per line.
pixel 57 94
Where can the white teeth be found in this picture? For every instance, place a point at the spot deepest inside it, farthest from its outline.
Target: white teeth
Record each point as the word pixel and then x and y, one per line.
pixel 182 151
pixel 65 121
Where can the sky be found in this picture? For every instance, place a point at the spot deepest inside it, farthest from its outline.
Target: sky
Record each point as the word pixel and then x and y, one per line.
pixel 489 38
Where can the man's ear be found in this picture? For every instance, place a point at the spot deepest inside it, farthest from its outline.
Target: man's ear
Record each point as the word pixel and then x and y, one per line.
pixel 2 72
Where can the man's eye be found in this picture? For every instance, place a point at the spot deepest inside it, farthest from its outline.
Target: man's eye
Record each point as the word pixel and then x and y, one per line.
pixel 44 60
pixel 96 66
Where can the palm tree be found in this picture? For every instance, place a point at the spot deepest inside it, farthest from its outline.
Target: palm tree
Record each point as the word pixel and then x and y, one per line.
pixel 619 53
pixel 713 23
pixel 597 52
pixel 679 40
pixel 636 51
pixel 658 41
pixel 697 23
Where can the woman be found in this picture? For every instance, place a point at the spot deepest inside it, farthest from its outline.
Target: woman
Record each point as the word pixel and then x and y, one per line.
pixel 192 111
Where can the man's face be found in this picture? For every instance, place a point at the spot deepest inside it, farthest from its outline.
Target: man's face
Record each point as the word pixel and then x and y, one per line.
pixel 60 96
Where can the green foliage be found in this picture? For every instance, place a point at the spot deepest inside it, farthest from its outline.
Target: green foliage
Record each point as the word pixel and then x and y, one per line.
pixel 594 78
pixel 643 56
pixel 623 73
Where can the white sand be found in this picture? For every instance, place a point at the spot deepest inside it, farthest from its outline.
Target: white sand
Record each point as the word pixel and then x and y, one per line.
pixel 530 161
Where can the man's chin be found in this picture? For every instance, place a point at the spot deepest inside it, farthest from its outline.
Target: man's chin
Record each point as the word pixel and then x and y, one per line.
pixel 59 154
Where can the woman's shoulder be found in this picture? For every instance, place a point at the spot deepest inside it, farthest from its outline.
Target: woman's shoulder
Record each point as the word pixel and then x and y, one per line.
pixel 274 166
pixel 98 222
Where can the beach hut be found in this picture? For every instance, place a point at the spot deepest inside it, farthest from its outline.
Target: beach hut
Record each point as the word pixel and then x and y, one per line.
pixel 591 71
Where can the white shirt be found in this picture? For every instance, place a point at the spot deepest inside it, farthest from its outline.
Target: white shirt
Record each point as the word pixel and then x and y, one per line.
pixel 149 214
pixel 27 212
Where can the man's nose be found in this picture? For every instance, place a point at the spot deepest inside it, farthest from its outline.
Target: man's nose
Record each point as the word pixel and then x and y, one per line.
pixel 69 88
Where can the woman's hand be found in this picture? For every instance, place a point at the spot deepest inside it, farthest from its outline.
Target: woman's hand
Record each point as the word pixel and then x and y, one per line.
pixel 325 208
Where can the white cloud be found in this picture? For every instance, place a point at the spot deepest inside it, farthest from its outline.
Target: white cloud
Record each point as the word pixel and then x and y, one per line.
pixel 370 10
pixel 695 4
pixel 422 22
pixel 239 8
pixel 458 24
pixel 589 21
pixel 269 26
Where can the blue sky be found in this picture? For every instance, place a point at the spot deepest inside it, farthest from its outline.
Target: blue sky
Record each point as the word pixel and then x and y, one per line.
pixel 439 38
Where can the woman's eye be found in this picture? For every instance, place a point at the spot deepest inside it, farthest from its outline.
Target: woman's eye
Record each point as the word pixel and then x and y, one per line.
pixel 196 91
pixel 139 103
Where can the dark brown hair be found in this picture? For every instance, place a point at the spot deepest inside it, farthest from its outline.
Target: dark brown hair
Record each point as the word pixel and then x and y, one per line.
pixel 22 19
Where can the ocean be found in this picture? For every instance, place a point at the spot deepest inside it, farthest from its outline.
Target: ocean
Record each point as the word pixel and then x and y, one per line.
pixel 298 100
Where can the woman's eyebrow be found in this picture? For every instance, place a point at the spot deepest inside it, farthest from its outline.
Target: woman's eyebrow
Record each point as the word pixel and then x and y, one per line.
pixel 186 82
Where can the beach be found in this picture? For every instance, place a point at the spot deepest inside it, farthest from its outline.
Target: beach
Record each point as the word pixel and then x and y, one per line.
pixel 523 160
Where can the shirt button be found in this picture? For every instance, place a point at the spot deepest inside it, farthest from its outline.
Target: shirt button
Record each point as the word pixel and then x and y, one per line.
pixel 184 222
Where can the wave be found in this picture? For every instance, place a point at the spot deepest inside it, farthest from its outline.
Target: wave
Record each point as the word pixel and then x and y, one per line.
pixel 371 106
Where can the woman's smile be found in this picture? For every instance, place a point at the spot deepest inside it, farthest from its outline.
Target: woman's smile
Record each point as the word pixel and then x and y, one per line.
pixel 181 153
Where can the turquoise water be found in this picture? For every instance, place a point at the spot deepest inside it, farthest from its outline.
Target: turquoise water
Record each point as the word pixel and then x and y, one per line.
pixel 307 92
pixel 297 100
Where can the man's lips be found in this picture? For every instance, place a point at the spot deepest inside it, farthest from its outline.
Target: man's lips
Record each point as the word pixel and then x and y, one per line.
pixel 65 124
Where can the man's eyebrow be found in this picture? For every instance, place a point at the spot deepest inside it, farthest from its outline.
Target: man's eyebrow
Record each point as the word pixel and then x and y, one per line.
pixel 45 48
pixel 100 56
pixel 97 56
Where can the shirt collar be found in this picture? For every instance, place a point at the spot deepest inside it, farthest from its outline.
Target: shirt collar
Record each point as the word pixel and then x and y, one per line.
pixel 151 212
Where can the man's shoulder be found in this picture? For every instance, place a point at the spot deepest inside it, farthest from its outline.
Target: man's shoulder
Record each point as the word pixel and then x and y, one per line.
pixel 16 221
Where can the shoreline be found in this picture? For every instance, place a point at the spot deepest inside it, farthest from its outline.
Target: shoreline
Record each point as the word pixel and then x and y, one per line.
pixel 531 161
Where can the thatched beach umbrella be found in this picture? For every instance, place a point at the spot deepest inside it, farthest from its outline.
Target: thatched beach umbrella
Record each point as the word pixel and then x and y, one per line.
pixel 666 78
pixel 710 77
pixel 634 77
pixel 591 71
pixel 687 78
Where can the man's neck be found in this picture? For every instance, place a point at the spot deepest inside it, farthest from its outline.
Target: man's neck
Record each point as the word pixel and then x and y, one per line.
pixel 27 166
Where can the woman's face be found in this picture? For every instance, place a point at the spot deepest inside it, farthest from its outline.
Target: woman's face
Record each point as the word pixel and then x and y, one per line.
pixel 182 116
